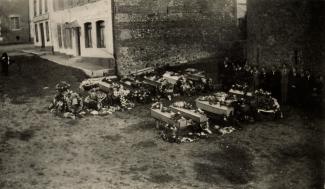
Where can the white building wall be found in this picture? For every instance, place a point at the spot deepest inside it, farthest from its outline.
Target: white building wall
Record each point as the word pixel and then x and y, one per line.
pixel 92 12
pixel 41 18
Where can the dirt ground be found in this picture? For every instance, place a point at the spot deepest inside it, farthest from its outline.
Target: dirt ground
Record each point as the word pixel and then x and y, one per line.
pixel 123 150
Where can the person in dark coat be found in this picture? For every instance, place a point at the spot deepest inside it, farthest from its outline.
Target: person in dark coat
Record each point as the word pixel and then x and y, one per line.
pixel 274 80
pixel 284 84
pixel 226 74
pixel 318 90
pixel 256 78
pixel 263 82
pixel 293 86
pixel 248 76
pixel 309 87
pixel 301 87
pixel 5 61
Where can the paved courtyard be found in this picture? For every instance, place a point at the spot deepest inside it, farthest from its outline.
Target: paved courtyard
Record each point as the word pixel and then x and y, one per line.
pixel 123 150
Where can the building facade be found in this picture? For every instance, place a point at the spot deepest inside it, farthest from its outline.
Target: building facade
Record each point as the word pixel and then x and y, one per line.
pixel 14 22
pixel 139 33
pixel 40 22
pixel 83 28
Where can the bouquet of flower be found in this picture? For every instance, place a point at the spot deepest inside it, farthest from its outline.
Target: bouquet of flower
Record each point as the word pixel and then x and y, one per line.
pixel 183 104
pixel 88 84
pixel 221 98
pixel 265 101
pixel 238 87
pixel 166 89
pixel 62 86
pixel 95 99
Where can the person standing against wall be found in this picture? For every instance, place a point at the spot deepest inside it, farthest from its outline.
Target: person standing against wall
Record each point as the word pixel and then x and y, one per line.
pixel 5 64
pixel 284 84
pixel 274 79
pixel 256 79
pixel 293 86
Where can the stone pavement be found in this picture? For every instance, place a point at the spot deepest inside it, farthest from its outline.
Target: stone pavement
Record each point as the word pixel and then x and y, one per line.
pixel 92 67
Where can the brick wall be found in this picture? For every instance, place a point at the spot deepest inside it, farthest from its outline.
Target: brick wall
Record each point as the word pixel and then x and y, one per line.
pixel 286 31
pixel 150 32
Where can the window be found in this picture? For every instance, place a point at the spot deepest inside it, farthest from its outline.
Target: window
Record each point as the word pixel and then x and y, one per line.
pixel 88 40
pixel 45 5
pixel 40 3
pixel 35 6
pixel 64 37
pixel 36 33
pixel 59 35
pixel 15 22
pixel 47 31
pixel 68 37
pixel 100 26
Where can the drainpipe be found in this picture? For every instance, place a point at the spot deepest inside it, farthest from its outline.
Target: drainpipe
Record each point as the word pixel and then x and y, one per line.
pixel 114 39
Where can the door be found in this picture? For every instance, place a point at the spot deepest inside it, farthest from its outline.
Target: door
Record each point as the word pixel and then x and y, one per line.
pixel 78 41
pixel 42 35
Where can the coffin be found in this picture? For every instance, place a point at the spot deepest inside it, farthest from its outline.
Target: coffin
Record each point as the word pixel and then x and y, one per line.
pixel 171 79
pixel 214 108
pixel 167 118
pixel 190 114
pixel 106 87
pixel 241 93
pixel 151 82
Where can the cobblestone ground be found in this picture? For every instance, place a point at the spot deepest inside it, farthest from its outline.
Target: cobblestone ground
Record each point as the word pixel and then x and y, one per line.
pixel 123 150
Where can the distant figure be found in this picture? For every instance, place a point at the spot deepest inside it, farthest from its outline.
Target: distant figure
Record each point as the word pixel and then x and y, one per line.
pixel 274 80
pixel 5 61
pixel 262 77
pixel 293 86
pixel 256 79
pixel 284 84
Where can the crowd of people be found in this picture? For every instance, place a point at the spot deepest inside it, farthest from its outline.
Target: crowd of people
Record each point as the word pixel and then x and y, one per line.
pixel 290 85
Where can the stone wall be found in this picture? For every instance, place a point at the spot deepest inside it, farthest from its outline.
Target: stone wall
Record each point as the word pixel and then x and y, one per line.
pixel 286 32
pixel 158 32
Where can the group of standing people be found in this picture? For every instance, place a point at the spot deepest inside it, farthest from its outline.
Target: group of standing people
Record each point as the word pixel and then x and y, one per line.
pixel 295 86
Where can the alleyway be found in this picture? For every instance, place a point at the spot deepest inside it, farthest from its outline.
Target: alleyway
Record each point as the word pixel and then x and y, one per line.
pixel 123 150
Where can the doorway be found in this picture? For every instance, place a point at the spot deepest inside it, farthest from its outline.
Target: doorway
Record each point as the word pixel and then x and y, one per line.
pixel 42 35
pixel 77 29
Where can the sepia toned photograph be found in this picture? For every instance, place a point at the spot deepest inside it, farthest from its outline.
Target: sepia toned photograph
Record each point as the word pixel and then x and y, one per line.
pixel 162 94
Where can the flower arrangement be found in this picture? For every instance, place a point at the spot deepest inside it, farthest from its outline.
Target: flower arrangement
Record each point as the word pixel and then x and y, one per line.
pixel 238 87
pixel 62 86
pixel 183 104
pixel 265 101
pixel 221 98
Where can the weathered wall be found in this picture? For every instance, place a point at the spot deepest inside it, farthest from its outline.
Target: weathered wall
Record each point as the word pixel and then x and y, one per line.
pixel 14 7
pixel 286 31
pixel 150 32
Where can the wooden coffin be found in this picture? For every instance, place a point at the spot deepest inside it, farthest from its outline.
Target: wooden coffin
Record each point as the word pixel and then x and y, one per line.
pixel 143 71
pixel 171 79
pixel 167 118
pixel 190 114
pixel 151 82
pixel 214 108
pixel 240 93
pixel 195 76
pixel 106 87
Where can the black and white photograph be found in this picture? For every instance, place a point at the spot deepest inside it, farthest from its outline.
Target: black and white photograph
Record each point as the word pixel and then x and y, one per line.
pixel 162 94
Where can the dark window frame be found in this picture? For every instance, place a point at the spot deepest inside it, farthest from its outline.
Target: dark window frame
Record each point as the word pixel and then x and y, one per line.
pixel 88 35
pixel 100 28
pixel 47 30
pixel 36 33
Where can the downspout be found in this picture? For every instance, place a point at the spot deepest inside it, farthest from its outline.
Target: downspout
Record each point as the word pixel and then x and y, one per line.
pixel 114 39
